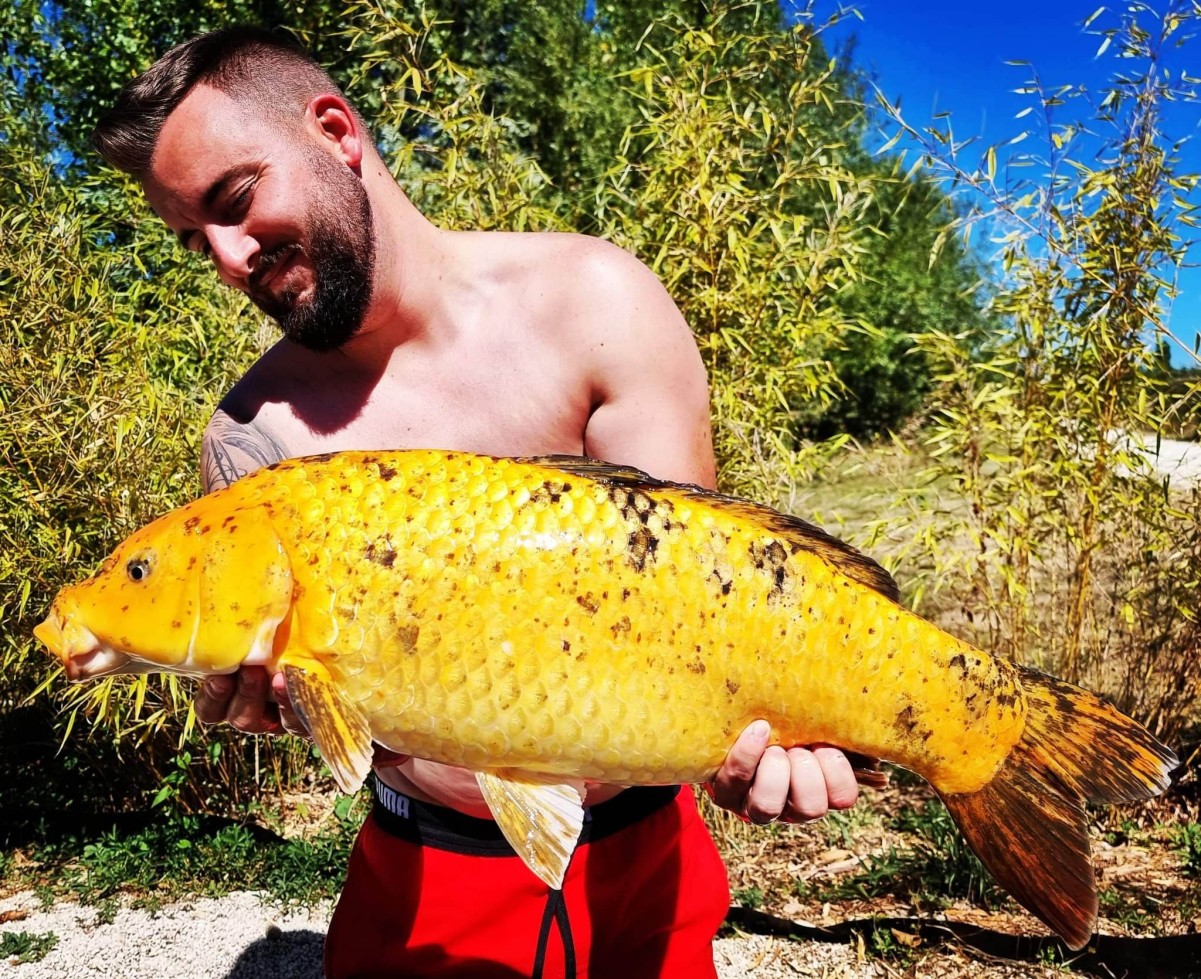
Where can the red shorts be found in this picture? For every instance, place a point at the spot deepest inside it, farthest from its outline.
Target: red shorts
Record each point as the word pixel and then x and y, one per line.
pixel 431 892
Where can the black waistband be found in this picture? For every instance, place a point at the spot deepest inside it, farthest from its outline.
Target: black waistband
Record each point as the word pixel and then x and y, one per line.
pixel 449 829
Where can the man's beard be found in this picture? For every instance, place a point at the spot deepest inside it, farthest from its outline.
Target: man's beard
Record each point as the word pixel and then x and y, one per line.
pixel 341 251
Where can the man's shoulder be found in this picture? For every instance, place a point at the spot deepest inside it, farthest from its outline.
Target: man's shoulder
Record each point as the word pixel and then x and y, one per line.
pixel 598 286
pixel 233 447
pixel 241 436
pixel 595 258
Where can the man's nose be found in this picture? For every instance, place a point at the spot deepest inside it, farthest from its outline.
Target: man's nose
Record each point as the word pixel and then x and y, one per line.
pixel 234 253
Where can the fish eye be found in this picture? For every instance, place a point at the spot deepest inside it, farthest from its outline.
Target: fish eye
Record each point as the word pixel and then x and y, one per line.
pixel 138 569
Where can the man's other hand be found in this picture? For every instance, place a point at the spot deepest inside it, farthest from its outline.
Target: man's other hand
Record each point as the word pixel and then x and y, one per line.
pixel 791 785
pixel 255 703
pixel 250 700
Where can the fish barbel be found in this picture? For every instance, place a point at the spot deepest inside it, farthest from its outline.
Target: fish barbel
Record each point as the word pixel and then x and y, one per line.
pixel 548 621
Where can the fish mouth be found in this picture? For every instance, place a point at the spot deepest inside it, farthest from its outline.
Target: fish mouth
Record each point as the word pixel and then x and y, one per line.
pixel 83 656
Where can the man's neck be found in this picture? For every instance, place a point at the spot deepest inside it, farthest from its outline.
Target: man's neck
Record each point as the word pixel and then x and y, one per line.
pixel 416 267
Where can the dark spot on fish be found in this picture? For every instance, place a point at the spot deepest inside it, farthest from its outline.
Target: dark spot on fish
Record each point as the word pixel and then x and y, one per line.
pixel 387 472
pixel 625 593
pixel 176 624
pixel 407 634
pixel 640 548
pixel 865 689
pixel 588 603
pixel 906 720
pixel 381 552
pixel 244 623
pixel 549 492
pixel 321 457
pixel 566 646
pixel 191 524
pixel 206 528
pixel 696 667
pixel 124 608
pixel 732 687
pixel 959 661
pixel 716 578
pixel 620 626
pixel 871 631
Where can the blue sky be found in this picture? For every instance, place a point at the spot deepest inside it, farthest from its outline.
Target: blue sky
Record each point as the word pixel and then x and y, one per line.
pixel 939 56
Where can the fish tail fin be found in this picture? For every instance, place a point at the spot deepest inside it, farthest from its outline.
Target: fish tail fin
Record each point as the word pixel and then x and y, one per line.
pixel 1028 825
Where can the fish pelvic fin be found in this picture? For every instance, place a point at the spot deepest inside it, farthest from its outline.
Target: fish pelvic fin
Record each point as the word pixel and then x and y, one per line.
pixel 1028 825
pixel 338 726
pixel 541 820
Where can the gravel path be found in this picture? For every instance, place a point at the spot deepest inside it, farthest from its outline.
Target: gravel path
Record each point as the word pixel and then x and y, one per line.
pixel 238 937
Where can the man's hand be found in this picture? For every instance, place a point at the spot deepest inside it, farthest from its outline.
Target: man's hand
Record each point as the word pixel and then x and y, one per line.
pixel 256 704
pixel 765 783
pixel 250 700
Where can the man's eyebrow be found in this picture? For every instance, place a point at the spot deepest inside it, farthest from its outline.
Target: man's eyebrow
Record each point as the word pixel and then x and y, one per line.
pixel 218 185
pixel 210 198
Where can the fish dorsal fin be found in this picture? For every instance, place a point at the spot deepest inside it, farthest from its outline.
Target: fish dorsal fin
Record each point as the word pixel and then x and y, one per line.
pixel 793 530
pixel 597 469
pixel 337 725
pixel 541 820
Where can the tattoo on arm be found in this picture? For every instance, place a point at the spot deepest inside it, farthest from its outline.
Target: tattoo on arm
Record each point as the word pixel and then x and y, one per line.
pixel 232 449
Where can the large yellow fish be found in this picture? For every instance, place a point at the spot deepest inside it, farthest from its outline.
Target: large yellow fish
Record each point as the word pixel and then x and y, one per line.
pixel 548 621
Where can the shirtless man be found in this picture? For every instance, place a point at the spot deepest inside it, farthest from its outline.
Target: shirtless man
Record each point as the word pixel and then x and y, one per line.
pixel 399 335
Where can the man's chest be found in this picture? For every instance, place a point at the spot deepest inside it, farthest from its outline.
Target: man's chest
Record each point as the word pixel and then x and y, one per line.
pixel 494 408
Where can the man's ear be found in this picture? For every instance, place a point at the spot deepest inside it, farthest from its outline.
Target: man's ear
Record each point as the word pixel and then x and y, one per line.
pixel 333 122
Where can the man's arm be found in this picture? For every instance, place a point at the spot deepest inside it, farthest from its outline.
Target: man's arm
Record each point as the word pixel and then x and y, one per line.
pixel 652 411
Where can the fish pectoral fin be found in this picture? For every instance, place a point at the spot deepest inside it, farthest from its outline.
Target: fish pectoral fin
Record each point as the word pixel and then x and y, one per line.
pixel 337 725
pixel 867 771
pixel 541 820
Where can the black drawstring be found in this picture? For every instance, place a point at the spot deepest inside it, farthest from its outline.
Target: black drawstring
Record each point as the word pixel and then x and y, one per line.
pixel 556 910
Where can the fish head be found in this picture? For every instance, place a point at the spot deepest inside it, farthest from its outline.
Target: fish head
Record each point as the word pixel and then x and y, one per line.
pixel 200 590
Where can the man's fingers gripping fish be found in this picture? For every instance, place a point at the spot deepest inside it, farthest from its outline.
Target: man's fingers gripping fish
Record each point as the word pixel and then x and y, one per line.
pixel 544 622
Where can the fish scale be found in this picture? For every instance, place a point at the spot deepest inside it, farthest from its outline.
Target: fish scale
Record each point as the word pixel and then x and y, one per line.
pixel 546 622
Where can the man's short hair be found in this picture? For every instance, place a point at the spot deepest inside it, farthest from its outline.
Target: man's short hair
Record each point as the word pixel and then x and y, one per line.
pixel 268 71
